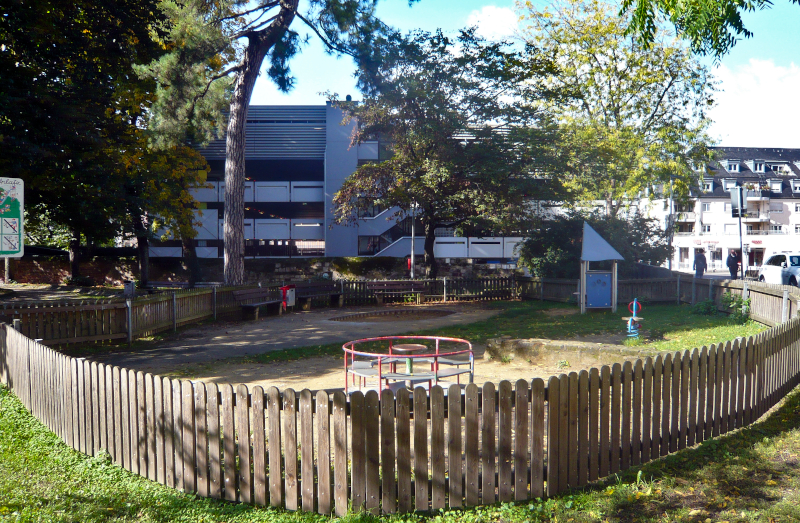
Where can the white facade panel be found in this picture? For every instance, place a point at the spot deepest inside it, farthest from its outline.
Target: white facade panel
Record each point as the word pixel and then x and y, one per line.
pixel 249 233
pixel 207 193
pixel 368 151
pixel 221 191
pixel 308 191
pixel 206 224
pixel 485 248
pixel 272 229
pixel 165 252
pixel 248 191
pixel 451 248
pixel 510 245
pixel 308 230
pixel 272 191
pixel 207 252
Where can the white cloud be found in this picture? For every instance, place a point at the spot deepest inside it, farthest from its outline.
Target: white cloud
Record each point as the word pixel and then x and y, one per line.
pixel 494 23
pixel 758 105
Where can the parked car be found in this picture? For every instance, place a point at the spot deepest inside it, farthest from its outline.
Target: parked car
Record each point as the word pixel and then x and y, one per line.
pixel 782 268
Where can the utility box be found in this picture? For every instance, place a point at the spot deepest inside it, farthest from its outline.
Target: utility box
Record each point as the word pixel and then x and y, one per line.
pixel 288 295
pixel 129 289
pixel 598 289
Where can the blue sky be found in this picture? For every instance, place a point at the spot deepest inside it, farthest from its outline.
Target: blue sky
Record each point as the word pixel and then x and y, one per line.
pixel 758 105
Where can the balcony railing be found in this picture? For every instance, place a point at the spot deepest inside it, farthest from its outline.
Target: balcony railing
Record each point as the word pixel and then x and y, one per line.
pixel 685 217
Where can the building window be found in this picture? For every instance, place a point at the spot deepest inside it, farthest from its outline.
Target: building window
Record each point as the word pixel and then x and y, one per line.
pixel 729 184
pixel 796 185
pixel 797 229
pixel 706 228
pixel 708 186
pixel 776 207
pixel 733 166
pixel 797 207
pixel 775 228
pixel 758 167
pixel 706 207
pixel 775 185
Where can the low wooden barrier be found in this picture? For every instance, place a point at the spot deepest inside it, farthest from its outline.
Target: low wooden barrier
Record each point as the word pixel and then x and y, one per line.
pixel 404 451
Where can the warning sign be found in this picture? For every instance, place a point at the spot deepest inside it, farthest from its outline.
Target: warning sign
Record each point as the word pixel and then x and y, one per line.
pixel 11 217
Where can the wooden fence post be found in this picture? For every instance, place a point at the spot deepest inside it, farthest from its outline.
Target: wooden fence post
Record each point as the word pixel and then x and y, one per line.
pixel 694 290
pixel 785 308
pixel 745 296
pixel 129 318
pixel 174 311
pixel 17 324
pixel 679 290
pixel 214 301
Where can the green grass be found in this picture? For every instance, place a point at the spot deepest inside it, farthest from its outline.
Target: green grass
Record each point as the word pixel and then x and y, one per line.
pixel 747 476
pixel 681 329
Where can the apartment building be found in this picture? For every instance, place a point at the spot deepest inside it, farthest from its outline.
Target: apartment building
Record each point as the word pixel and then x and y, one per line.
pixel 297 158
pixel 772 219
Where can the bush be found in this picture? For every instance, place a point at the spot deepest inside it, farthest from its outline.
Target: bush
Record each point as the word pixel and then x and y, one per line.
pixel 80 281
pixel 705 308
pixel 739 309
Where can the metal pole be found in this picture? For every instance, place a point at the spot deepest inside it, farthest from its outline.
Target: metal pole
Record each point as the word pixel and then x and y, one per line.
pixel 741 209
pixel 413 219
pixel 669 226
pixel 444 293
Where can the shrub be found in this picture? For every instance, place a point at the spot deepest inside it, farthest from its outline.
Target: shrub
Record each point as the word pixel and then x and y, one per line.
pixel 80 281
pixel 705 308
pixel 739 309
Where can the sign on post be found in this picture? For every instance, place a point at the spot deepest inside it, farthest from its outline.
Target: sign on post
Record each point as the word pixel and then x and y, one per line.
pixel 11 217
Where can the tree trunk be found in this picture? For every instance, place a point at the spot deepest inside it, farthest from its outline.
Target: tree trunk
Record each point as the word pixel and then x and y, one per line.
pixel 75 255
pixel 191 261
pixel 430 259
pixel 143 250
pixel 259 43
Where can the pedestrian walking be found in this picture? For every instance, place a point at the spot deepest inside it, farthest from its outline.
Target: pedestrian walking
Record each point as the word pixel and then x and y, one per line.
pixel 700 264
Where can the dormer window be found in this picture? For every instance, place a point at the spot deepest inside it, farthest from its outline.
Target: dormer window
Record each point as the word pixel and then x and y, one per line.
pixel 795 185
pixel 728 185
pixel 733 166
pixel 708 185
pixel 758 166
pixel 775 185
pixel 778 168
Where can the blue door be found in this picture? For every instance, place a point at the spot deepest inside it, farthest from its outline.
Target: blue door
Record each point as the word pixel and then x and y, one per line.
pixel 598 289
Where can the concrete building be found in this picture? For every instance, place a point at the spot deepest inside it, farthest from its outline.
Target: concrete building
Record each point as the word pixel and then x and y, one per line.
pixel 772 220
pixel 297 158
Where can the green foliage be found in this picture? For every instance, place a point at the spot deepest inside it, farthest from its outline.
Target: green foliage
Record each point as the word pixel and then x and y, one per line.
pixel 739 308
pixel 79 281
pixel 553 249
pixel 439 105
pixel 362 266
pixel 705 308
pixel 712 27
pixel 636 117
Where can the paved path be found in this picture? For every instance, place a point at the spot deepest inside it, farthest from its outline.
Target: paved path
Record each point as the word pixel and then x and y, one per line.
pixel 213 342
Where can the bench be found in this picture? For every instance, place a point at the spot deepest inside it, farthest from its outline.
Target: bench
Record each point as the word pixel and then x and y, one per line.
pixel 305 292
pixel 415 288
pixel 252 299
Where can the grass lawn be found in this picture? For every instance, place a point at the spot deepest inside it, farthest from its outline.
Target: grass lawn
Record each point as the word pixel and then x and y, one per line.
pixel 747 476
pixel 680 328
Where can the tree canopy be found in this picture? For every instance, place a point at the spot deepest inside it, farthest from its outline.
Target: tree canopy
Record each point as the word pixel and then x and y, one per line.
pixel 636 114
pixel 712 27
pixel 218 48
pixel 463 148
pixel 553 250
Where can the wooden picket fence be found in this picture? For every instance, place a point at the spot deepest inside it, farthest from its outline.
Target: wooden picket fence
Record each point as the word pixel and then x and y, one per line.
pixel 57 323
pixel 405 450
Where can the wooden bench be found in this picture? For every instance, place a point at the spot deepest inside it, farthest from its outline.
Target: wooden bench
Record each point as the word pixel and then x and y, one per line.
pixel 307 291
pixel 252 299
pixel 415 288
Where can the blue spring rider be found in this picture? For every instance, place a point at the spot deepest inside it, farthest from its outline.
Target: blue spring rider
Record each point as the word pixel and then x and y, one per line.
pixel 634 322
